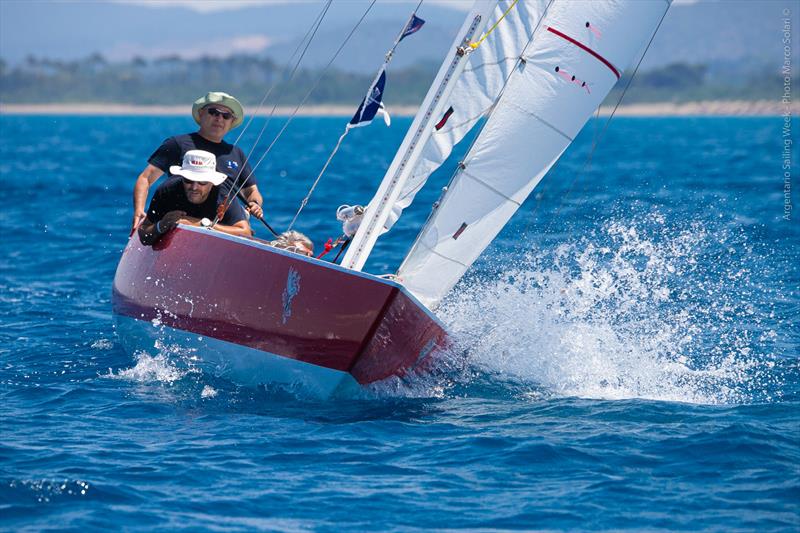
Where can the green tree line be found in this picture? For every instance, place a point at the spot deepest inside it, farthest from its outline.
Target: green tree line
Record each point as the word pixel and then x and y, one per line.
pixel 173 81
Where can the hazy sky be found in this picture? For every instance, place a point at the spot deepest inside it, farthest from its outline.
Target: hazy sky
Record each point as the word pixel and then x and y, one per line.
pixel 205 6
pixel 122 29
pixel 223 5
pixel 705 31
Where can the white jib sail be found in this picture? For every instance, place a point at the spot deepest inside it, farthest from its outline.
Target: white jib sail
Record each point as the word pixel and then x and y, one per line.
pixel 416 139
pixel 574 58
pixel 475 92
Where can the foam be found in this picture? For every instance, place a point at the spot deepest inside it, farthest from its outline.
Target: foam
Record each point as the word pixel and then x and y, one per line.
pixel 165 366
pixel 635 310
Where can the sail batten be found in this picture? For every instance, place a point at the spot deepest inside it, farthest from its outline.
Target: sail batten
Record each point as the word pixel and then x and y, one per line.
pixel 569 54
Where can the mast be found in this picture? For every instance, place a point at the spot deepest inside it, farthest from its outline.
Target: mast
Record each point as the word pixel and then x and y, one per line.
pixel 417 137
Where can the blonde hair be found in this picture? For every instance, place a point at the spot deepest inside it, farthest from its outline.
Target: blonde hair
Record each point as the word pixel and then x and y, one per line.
pixel 289 240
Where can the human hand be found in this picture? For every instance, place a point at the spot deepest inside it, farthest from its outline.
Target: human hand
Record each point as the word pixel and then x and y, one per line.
pixel 169 221
pixel 138 218
pixel 255 209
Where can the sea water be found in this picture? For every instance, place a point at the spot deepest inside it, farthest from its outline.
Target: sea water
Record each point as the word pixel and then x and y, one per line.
pixel 626 351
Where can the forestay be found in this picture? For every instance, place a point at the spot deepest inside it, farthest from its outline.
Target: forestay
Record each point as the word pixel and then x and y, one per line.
pixel 552 64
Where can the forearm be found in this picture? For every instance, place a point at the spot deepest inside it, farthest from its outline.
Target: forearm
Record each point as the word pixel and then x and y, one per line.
pixel 238 230
pixel 140 193
pixel 147 177
pixel 253 195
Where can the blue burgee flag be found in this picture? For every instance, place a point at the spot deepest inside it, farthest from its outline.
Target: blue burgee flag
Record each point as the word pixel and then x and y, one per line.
pixel 373 102
pixel 371 105
pixel 413 26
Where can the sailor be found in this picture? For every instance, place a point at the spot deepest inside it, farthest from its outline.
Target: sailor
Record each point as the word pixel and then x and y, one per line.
pixel 294 241
pixel 192 197
pixel 216 113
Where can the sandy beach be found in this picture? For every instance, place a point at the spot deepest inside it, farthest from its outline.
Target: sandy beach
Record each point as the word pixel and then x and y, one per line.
pixel 664 109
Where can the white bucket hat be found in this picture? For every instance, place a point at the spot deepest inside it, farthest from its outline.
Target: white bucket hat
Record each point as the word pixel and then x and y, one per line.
pixel 199 165
pixel 222 99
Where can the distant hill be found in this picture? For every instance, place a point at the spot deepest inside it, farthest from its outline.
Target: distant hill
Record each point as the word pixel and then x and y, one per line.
pixel 73 52
pixel 727 33
pixel 74 30
pixel 96 80
pixel 730 36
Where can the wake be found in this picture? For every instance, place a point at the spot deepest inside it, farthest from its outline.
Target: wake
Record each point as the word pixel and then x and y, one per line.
pixel 635 310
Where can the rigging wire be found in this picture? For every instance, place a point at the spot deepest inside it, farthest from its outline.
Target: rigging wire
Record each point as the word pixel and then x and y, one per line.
pixel 316 181
pixel 308 94
pixel 387 59
pixel 310 34
pixel 312 30
pixel 597 140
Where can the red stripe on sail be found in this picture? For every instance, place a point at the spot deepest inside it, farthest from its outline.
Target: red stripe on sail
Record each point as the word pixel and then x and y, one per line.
pixel 446 116
pixel 579 44
pixel 458 233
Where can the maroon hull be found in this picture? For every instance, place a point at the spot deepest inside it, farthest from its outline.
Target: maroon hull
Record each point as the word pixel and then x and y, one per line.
pixel 252 295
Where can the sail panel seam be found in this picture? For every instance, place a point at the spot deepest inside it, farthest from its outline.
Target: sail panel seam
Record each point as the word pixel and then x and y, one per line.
pixel 435 252
pixel 489 64
pixel 540 119
pixel 496 191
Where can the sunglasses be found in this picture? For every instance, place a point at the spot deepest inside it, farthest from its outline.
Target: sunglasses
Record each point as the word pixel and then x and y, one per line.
pixel 215 112
pixel 187 181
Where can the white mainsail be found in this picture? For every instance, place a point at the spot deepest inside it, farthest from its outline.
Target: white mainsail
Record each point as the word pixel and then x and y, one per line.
pixel 563 71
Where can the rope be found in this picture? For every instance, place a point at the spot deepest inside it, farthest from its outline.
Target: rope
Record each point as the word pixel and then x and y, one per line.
pixel 598 139
pixel 347 241
pixel 312 31
pixel 494 26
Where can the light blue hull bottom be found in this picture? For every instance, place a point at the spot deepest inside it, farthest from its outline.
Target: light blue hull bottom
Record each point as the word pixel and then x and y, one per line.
pixel 239 364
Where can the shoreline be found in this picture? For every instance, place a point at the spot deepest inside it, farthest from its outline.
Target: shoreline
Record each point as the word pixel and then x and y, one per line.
pixel 657 109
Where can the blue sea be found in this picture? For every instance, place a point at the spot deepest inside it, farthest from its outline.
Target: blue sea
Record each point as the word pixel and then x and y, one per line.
pixel 627 349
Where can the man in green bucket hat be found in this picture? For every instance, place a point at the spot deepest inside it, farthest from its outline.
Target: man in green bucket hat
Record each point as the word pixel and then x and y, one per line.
pixel 216 113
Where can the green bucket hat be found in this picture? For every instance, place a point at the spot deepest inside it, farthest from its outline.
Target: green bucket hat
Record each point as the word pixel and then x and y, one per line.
pixel 222 99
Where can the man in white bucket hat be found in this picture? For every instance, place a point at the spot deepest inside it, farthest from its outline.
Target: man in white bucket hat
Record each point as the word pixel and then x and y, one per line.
pixel 216 113
pixel 192 198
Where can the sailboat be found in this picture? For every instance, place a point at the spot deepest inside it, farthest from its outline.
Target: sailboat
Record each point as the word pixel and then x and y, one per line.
pixel 528 74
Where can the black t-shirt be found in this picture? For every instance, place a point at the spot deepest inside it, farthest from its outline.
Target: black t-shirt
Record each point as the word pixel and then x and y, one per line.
pixel 230 159
pixel 170 196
